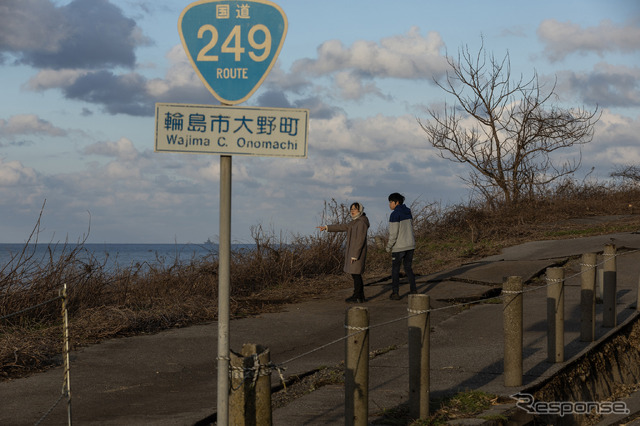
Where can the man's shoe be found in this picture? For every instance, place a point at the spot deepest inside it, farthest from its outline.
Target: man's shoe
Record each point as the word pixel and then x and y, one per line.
pixel 413 292
pixel 354 299
pixel 394 296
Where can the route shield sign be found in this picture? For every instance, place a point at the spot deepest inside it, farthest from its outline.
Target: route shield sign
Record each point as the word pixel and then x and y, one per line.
pixel 232 44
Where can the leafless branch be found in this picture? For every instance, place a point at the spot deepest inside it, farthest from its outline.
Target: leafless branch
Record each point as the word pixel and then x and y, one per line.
pixel 505 130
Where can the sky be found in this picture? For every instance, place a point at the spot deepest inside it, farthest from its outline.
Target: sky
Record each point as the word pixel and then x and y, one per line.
pixel 79 81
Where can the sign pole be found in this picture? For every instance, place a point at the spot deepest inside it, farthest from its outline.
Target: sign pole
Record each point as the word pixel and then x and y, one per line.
pixel 232 48
pixel 224 285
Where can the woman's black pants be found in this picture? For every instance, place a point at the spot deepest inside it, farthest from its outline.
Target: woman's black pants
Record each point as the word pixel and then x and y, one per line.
pixel 358 286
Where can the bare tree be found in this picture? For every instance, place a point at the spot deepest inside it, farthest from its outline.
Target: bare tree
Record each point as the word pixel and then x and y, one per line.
pixel 629 173
pixel 505 130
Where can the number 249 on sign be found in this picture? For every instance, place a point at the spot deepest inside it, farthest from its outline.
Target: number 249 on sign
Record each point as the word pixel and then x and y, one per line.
pixel 233 43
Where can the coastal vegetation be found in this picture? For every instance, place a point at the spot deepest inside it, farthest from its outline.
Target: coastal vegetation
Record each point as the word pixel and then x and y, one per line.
pixel 281 269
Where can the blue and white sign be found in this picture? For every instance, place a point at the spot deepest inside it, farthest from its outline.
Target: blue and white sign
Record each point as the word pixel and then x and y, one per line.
pixel 232 45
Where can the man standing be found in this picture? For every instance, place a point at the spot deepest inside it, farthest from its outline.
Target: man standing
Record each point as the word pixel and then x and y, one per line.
pixel 401 244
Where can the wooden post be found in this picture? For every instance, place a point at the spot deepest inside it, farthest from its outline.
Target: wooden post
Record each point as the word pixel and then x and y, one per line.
pixel 638 296
pixel 599 287
pixel 512 322
pixel 419 355
pixel 609 286
pixel 357 367
pixel 555 314
pixel 588 297
pixel 250 393
pixel 66 387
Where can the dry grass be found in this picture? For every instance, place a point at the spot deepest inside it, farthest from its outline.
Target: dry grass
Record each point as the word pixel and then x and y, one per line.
pixel 150 298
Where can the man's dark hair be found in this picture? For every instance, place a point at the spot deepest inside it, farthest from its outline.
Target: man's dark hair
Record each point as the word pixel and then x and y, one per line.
pixel 396 197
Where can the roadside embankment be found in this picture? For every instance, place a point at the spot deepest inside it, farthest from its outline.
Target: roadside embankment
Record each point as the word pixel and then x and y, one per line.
pixel 604 375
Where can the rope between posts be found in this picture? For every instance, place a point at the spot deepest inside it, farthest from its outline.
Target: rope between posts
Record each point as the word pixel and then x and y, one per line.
pixel 591 266
pixel 349 327
pixel 30 308
pixel 45 415
pixel 458 305
pixel 66 392
pixel 359 330
pixel 254 372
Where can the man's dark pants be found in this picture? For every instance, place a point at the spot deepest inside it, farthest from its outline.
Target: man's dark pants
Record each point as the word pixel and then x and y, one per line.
pixel 404 258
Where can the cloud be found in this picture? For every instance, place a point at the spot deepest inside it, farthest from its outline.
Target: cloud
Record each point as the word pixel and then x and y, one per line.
pixel 615 142
pixel 123 150
pixel 607 85
pixel 353 87
pixel 30 26
pixel 274 99
pixel 318 107
pixel 616 130
pixel 53 79
pixel 564 38
pixel 13 173
pixel 369 137
pixel 86 34
pixel 409 56
pixel 293 82
pixel 181 83
pixel 514 31
pixel 117 93
pixel 28 124
pixel 124 93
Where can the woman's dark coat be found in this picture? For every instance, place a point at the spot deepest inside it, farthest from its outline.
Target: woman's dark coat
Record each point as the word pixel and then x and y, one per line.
pixel 356 243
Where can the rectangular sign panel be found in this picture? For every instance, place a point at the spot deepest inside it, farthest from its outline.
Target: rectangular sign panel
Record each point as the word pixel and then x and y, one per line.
pixel 231 130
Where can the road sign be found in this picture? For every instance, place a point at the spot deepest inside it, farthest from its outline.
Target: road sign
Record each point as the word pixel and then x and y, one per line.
pixel 232 44
pixel 227 130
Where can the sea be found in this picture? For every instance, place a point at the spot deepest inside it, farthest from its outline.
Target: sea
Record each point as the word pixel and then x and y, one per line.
pixel 116 256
